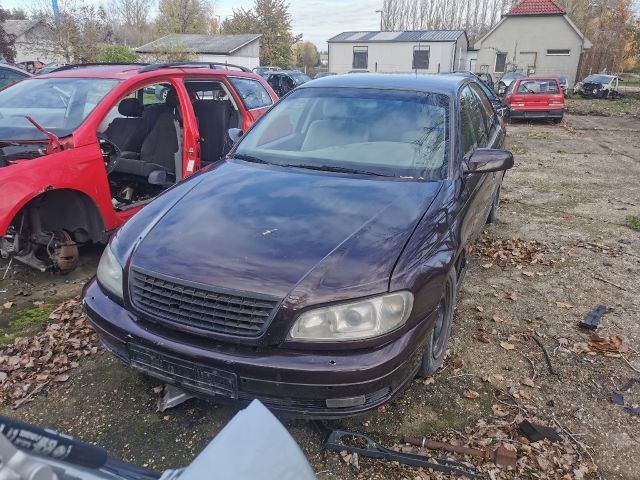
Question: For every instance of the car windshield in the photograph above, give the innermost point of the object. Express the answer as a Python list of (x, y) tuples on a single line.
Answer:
[(355, 130), (598, 79), (59, 105), (538, 86), (299, 78)]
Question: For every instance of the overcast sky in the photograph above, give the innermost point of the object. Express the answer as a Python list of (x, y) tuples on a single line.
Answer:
[(317, 20)]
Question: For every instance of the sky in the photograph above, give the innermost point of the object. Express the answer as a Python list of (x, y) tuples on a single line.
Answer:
[(316, 20)]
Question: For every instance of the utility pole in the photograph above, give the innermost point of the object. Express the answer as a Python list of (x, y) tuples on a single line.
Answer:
[(380, 12)]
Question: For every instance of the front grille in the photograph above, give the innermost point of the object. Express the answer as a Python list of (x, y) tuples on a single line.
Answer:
[(190, 375), (181, 304)]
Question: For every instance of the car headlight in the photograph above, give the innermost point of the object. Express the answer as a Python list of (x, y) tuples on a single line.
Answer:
[(361, 319), (110, 272)]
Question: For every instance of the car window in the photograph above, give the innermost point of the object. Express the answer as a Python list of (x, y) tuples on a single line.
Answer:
[(59, 105), (538, 87), (9, 76), (473, 126), (385, 132), (252, 93), (487, 108)]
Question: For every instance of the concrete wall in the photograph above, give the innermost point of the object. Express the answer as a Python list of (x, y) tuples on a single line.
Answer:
[(525, 40), (394, 56)]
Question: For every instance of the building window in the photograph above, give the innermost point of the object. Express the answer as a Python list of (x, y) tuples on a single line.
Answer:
[(420, 57), (501, 63), (360, 58), (559, 52)]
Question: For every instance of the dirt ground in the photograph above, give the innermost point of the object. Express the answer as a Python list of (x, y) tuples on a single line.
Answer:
[(571, 191)]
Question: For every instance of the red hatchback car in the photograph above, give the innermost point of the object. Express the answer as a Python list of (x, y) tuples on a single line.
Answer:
[(535, 98), (83, 149)]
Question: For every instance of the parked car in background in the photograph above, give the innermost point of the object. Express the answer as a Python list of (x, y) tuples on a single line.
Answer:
[(599, 86), (316, 267), (506, 80), (283, 81), (564, 84), (262, 71), (83, 149), (11, 74), (496, 101), (50, 68), (323, 74), (535, 98), (31, 66)]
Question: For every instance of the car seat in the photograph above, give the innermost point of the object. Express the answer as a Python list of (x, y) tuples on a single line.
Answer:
[(127, 132)]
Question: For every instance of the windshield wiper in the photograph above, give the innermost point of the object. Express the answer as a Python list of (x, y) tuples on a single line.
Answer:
[(54, 141), (331, 168), (249, 158)]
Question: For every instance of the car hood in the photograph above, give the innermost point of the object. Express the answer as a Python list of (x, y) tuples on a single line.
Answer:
[(268, 230)]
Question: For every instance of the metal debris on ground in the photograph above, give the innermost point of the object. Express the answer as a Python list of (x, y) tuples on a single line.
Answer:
[(29, 366), (535, 432), (170, 396), (592, 320), (501, 456), (617, 398)]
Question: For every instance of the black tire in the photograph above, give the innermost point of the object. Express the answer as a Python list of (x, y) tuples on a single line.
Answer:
[(493, 213), (557, 120), (438, 336)]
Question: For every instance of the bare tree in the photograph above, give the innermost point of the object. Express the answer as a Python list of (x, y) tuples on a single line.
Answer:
[(130, 21)]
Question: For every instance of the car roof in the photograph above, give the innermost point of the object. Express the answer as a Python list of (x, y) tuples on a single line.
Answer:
[(448, 84), (126, 71)]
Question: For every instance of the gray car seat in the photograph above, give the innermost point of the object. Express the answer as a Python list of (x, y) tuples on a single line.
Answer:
[(127, 132)]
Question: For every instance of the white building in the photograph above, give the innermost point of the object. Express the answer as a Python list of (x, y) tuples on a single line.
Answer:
[(536, 37), (425, 51), (243, 50)]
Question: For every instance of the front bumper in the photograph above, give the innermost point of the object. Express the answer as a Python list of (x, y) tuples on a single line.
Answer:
[(312, 384), (524, 114)]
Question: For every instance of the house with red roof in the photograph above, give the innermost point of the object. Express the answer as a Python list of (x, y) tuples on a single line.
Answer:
[(535, 37)]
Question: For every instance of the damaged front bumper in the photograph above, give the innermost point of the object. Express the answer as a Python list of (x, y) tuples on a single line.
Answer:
[(321, 384)]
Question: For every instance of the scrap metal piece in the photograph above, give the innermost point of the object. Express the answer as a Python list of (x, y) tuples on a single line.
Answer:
[(632, 410), (501, 456), (337, 440), (172, 396), (535, 432), (617, 398), (592, 320)]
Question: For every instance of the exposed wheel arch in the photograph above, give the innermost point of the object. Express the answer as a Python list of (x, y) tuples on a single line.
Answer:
[(67, 209)]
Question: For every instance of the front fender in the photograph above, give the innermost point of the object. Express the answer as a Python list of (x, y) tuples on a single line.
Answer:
[(80, 169)]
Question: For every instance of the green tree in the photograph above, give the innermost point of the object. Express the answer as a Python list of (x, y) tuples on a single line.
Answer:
[(307, 56), (184, 16), (114, 53), (272, 19)]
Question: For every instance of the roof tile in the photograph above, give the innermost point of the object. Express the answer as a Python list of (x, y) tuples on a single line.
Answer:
[(536, 7)]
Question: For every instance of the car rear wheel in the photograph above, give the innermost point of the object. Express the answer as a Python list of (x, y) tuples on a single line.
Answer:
[(439, 335)]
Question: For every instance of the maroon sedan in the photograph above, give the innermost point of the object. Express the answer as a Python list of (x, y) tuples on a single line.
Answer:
[(316, 267)]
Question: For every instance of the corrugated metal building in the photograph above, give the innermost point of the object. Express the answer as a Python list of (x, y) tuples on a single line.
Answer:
[(426, 51)]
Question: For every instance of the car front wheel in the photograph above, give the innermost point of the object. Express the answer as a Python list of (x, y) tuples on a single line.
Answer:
[(439, 335)]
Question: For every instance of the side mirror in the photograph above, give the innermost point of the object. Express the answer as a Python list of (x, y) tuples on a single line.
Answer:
[(160, 177), (234, 134), (485, 160)]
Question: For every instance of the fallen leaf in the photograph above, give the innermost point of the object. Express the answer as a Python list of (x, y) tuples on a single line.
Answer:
[(470, 394), (8, 305), (500, 411), (456, 362), (513, 296), (507, 346), (528, 382), (527, 274), (497, 319), (543, 463), (563, 305), (429, 381), (61, 378), (487, 265), (480, 309), (38, 303)]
